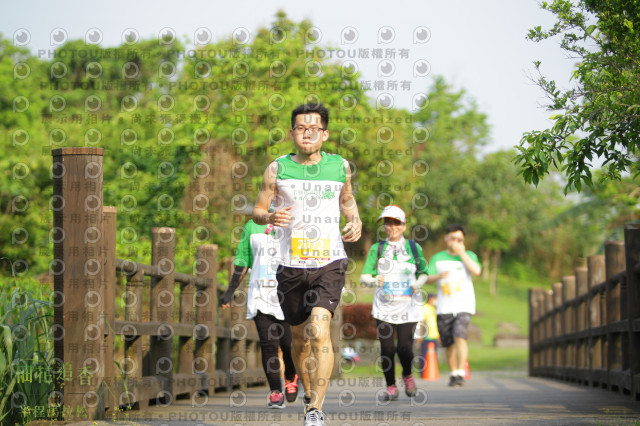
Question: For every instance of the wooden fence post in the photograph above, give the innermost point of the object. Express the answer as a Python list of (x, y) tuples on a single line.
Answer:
[(162, 307), (185, 343), (558, 330), (595, 319), (535, 329), (533, 307), (632, 260), (77, 221), (568, 298), (207, 306), (549, 331), (614, 263), (581, 322), (239, 332), (582, 288), (132, 365), (109, 305), (541, 359)]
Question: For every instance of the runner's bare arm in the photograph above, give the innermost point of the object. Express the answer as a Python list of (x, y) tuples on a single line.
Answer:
[(268, 192), (353, 229), (471, 265)]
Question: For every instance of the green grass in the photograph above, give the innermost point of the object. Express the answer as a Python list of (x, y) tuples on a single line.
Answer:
[(481, 358), (490, 358), (509, 304)]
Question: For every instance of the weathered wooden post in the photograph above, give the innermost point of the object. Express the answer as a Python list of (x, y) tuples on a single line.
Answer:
[(595, 319), (207, 308), (239, 331), (536, 331), (533, 307), (582, 288), (614, 263), (549, 331), (632, 260), (568, 300), (109, 303), (581, 322), (558, 330), (185, 343), (223, 347), (132, 364), (163, 249), (78, 274), (540, 334)]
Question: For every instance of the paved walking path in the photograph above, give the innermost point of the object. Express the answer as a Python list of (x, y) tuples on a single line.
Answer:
[(488, 398)]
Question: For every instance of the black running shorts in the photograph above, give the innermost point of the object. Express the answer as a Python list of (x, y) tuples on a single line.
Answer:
[(302, 289), (450, 326)]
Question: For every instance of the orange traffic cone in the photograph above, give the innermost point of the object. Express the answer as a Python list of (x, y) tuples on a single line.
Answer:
[(430, 371), (467, 371)]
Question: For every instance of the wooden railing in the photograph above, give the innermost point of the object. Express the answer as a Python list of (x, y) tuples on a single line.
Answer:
[(586, 329), (167, 309)]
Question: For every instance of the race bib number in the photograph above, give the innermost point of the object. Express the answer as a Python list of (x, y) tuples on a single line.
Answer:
[(309, 251), (397, 289)]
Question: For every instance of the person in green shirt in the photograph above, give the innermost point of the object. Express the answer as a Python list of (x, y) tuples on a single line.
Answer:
[(396, 267), (259, 250), (452, 269)]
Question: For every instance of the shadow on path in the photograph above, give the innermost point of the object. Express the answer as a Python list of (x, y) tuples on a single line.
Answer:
[(488, 398)]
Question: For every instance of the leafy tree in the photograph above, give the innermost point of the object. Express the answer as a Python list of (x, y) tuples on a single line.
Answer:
[(495, 214), (602, 109), (185, 126), (188, 132), (251, 88), (602, 211), (24, 171), (457, 129)]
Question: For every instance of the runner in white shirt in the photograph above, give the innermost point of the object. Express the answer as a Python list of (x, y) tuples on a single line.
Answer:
[(310, 189), (452, 269), (259, 250), (398, 269)]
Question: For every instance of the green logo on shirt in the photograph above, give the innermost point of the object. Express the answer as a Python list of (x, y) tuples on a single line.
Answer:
[(328, 195)]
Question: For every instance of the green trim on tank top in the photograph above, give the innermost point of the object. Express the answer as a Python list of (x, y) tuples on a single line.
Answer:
[(329, 168)]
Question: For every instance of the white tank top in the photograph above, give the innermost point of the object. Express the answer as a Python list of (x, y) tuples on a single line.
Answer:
[(313, 237)]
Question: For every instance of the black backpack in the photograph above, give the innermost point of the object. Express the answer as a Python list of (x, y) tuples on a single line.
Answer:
[(412, 245)]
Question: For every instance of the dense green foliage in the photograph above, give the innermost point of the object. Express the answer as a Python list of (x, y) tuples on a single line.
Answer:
[(598, 116), (188, 130)]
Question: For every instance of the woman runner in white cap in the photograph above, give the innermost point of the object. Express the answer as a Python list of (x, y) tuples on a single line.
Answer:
[(397, 268)]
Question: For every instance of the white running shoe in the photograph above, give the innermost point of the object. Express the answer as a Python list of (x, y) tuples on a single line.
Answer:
[(314, 418)]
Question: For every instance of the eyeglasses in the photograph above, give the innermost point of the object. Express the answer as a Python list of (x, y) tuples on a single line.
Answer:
[(312, 130), (392, 222)]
